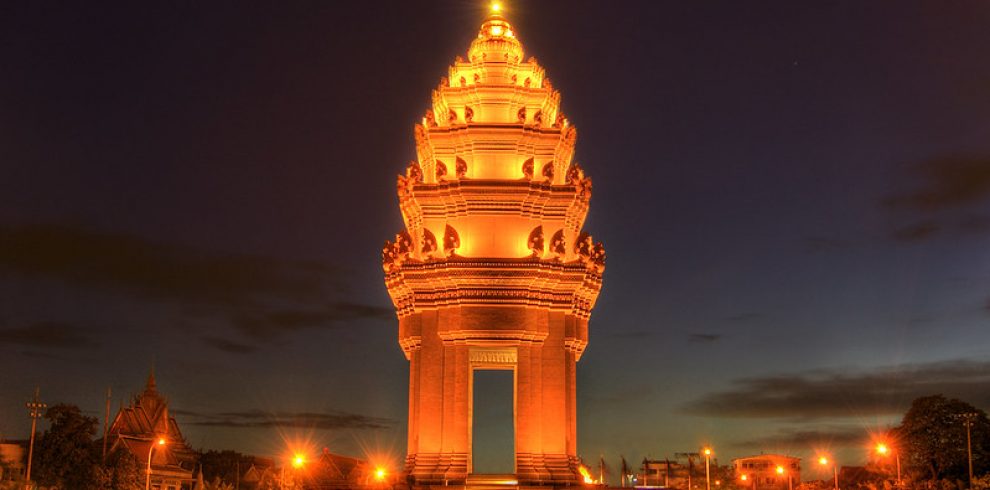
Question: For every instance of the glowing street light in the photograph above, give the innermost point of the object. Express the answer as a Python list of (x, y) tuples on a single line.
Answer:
[(380, 474), (883, 450), (744, 478), (835, 469), (160, 442), (708, 463), (298, 461)]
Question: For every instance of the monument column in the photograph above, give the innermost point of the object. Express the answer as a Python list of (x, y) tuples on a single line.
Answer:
[(493, 269)]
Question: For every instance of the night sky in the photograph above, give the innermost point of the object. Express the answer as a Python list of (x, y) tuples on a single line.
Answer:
[(794, 197)]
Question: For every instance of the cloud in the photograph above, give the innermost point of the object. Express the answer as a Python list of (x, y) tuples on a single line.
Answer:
[(947, 198), (160, 271), (838, 394), (636, 334), (261, 297), (744, 317), (916, 232), (824, 244), (253, 419), (947, 182), (230, 346), (47, 334), (832, 436), (267, 323), (705, 338)]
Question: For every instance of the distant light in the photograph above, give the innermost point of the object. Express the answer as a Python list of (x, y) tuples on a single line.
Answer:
[(744, 477), (298, 461), (380, 474), (161, 441), (708, 451), (496, 7), (780, 470), (823, 460), (882, 448)]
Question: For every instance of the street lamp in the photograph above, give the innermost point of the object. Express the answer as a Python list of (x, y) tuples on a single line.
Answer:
[(835, 469), (883, 450), (708, 462), (155, 442)]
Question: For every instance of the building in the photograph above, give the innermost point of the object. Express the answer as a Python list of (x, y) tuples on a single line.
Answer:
[(335, 472), (13, 459), (768, 472), (493, 270), (142, 427)]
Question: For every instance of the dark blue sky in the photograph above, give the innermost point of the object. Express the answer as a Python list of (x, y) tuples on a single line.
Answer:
[(795, 200)]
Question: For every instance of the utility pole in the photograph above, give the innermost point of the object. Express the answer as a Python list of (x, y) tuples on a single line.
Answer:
[(35, 408), (968, 421), (106, 427)]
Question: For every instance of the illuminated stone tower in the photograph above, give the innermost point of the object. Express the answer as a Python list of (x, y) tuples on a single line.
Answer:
[(493, 270)]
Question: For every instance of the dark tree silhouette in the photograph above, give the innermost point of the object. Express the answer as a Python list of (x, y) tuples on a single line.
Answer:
[(932, 437)]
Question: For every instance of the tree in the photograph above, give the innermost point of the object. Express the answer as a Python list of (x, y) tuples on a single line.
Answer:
[(122, 471), (226, 465), (933, 438), (65, 455)]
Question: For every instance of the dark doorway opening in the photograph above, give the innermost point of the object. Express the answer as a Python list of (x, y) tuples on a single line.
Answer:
[(493, 423)]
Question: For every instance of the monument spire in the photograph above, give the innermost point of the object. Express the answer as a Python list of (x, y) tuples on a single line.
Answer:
[(493, 269), (151, 386)]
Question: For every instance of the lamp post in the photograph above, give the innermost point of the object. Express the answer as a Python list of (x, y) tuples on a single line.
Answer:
[(883, 450), (34, 408), (708, 463), (155, 442), (835, 470)]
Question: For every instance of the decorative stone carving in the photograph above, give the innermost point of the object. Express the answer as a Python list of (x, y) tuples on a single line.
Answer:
[(527, 82), (441, 170), (521, 115), (598, 257), (527, 169), (592, 254), (461, 168), (584, 245), (394, 254), (548, 171), (431, 119), (403, 244), (559, 121), (558, 246), (388, 256), (535, 241), (492, 355), (451, 240), (477, 78), (414, 172), (429, 242), (468, 114), (463, 82), (575, 174), (452, 116), (538, 118)]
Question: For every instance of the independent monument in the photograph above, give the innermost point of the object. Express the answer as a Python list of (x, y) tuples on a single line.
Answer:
[(493, 270)]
